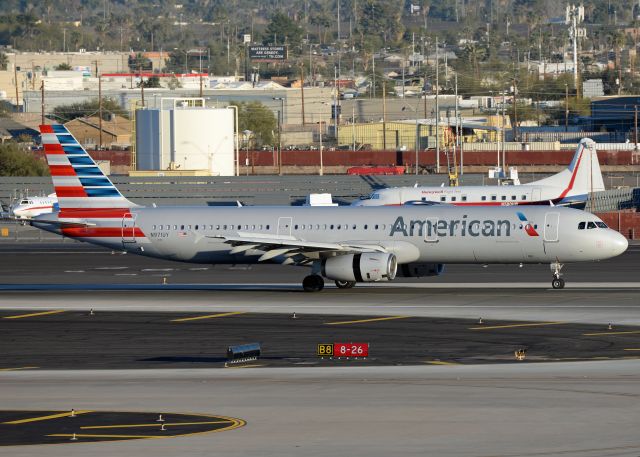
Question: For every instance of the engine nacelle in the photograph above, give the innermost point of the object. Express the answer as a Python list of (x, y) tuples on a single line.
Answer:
[(420, 270), (365, 267)]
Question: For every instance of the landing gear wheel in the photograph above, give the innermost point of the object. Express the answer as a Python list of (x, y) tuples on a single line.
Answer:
[(557, 283), (313, 283), (345, 284)]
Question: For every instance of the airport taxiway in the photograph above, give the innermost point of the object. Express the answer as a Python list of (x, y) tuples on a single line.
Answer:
[(132, 340), (586, 408)]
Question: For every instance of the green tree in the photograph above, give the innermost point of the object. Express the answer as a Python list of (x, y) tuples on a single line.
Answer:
[(62, 66), (14, 161), (282, 29), (381, 19), (259, 119), (152, 82), (89, 108)]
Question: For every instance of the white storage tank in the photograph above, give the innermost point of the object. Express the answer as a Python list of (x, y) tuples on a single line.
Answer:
[(185, 135)]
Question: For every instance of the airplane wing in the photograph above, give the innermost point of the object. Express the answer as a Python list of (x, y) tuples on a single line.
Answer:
[(292, 250)]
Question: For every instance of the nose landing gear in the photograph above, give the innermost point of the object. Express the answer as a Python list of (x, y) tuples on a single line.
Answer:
[(557, 282)]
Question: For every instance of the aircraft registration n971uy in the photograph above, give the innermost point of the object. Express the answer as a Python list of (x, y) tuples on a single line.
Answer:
[(343, 244)]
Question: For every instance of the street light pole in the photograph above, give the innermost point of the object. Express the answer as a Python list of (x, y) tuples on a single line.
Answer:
[(280, 116), (321, 164)]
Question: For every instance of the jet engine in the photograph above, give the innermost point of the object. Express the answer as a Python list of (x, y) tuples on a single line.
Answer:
[(365, 267), (420, 270)]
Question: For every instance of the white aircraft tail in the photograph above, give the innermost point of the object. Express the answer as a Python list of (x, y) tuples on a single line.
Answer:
[(582, 177), (78, 182)]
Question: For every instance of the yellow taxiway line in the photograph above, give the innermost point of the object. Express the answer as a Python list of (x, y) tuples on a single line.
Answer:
[(440, 362), (362, 321), (45, 418), (43, 313), (209, 316), (611, 333), (81, 435), (632, 349), (156, 424), (495, 327)]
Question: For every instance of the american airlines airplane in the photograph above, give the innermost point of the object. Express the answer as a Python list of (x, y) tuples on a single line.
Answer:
[(570, 187), (338, 243), (30, 207)]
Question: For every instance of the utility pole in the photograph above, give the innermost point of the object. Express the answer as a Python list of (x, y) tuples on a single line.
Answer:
[(459, 127), (635, 125), (142, 87), (100, 110), (200, 84), (384, 115), (15, 77), (279, 143), (302, 91), (42, 103), (566, 107), (437, 109), (515, 110)]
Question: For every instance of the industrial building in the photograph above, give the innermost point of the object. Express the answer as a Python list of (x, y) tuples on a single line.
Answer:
[(183, 134), (116, 131)]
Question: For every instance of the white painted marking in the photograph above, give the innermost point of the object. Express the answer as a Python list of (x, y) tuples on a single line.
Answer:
[(158, 269), (74, 271)]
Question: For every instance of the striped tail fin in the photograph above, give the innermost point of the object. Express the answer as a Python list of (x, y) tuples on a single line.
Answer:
[(78, 182)]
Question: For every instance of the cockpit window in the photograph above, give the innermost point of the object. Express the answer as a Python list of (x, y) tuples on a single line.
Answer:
[(591, 225), (375, 196), (601, 224), (25, 202), (581, 225)]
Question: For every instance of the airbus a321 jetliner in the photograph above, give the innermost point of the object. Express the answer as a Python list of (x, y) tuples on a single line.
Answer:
[(343, 244), (570, 187)]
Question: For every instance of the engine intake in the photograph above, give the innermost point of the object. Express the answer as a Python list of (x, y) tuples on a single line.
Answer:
[(420, 270), (365, 267)]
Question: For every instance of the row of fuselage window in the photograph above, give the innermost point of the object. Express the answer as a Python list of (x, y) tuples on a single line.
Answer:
[(463, 198), (266, 227)]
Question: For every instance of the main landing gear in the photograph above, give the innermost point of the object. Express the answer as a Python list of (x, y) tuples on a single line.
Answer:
[(345, 284), (557, 282), (313, 283)]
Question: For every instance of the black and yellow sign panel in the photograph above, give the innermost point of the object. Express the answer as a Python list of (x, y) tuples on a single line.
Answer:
[(325, 350)]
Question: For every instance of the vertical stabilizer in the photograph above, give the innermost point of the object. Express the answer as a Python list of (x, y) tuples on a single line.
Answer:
[(583, 175), (78, 182)]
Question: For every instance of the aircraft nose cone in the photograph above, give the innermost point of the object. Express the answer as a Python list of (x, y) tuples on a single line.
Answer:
[(619, 243)]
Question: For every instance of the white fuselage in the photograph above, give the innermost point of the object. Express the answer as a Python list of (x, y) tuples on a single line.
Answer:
[(30, 207), (441, 234)]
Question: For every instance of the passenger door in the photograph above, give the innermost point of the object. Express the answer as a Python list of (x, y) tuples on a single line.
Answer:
[(551, 226), (129, 229), (284, 225), (535, 197)]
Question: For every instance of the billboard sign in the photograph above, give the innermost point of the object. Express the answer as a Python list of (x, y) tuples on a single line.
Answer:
[(258, 53)]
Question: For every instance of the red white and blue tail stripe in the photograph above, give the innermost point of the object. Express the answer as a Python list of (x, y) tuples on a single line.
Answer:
[(77, 180), (90, 206)]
